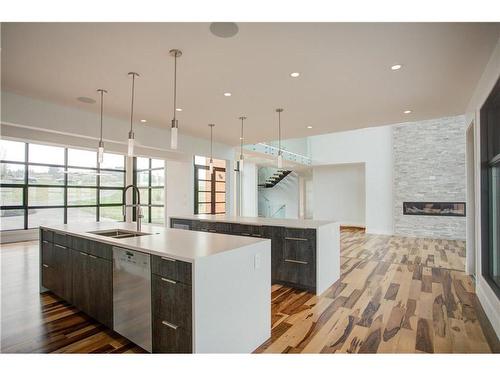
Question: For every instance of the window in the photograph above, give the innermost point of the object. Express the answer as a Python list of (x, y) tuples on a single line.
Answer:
[(43, 184), (209, 189), (149, 177)]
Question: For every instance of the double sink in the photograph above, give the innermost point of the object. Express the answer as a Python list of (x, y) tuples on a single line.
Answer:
[(119, 233)]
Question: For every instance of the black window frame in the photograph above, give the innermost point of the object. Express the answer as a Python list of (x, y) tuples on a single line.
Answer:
[(213, 192), (65, 186), (150, 189)]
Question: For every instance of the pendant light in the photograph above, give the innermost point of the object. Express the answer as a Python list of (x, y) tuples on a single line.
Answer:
[(131, 136), (100, 149), (280, 156), (175, 53), (242, 118), (211, 164)]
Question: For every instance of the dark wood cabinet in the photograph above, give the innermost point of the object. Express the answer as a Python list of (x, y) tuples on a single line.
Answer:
[(81, 286), (56, 267), (293, 250), (62, 263), (171, 269), (172, 314), (92, 278), (168, 339), (275, 234), (180, 224), (100, 290)]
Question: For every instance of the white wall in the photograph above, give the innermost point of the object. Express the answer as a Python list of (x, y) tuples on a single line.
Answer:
[(488, 299), (249, 180), (373, 147), (284, 193), (179, 196), (339, 193)]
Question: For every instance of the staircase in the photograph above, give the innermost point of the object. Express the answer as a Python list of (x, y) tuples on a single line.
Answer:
[(275, 178)]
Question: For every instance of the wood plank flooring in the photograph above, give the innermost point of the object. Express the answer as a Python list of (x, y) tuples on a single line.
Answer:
[(395, 295)]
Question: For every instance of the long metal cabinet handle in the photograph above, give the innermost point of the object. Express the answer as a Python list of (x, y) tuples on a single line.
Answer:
[(169, 259), (45, 265), (61, 246), (84, 254), (296, 238), (245, 234), (170, 325), (169, 281), (295, 261), (92, 256)]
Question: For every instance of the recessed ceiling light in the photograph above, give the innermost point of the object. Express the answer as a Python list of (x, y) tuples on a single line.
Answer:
[(407, 112), (294, 74), (178, 109), (86, 100), (227, 94), (144, 121), (309, 127), (396, 67)]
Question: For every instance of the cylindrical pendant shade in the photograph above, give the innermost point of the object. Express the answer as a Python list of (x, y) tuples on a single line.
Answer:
[(131, 147), (100, 154), (173, 138), (280, 161)]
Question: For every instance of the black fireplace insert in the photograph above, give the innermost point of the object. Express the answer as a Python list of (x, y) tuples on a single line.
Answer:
[(434, 208)]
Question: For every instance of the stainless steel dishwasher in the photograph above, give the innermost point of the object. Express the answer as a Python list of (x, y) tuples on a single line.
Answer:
[(132, 296)]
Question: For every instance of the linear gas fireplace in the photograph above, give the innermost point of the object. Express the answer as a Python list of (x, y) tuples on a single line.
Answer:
[(434, 208)]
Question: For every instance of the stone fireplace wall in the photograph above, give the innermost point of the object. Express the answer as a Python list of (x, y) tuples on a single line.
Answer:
[(429, 166)]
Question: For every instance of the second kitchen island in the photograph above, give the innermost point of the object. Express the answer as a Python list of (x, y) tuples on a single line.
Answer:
[(166, 290), (305, 254)]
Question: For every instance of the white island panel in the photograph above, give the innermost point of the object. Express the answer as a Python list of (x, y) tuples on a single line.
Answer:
[(327, 256), (231, 301)]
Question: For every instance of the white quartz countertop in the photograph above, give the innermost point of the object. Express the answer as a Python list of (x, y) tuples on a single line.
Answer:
[(291, 223), (179, 244)]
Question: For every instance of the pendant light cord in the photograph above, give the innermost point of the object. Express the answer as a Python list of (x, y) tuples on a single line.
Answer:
[(102, 100), (132, 102), (241, 140), (175, 84), (279, 133), (211, 141)]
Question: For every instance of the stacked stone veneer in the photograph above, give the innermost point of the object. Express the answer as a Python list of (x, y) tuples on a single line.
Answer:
[(429, 166)]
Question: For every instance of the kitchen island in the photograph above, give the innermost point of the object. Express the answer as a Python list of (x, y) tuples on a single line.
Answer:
[(167, 290), (305, 254)]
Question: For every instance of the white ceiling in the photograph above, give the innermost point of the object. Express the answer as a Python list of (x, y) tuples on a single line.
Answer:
[(345, 83)]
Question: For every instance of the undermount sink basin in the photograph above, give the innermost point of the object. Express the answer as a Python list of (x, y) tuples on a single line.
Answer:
[(119, 233)]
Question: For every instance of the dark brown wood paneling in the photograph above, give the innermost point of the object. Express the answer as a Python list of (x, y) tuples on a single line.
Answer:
[(172, 301), (47, 253), (61, 239), (63, 266), (81, 286), (100, 279), (171, 269), (170, 340), (47, 235)]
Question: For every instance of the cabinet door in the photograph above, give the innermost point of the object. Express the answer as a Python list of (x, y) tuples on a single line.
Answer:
[(81, 293), (63, 266), (275, 234), (100, 279), (172, 316), (48, 266), (299, 257), (170, 339)]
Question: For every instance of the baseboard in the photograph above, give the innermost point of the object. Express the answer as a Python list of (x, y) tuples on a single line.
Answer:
[(10, 236), (490, 303)]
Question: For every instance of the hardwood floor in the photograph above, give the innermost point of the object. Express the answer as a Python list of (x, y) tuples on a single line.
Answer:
[(395, 295)]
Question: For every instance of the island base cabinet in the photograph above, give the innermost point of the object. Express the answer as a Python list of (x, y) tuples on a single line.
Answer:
[(172, 313), (62, 260), (93, 286), (56, 269), (101, 290), (167, 339), (81, 270)]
